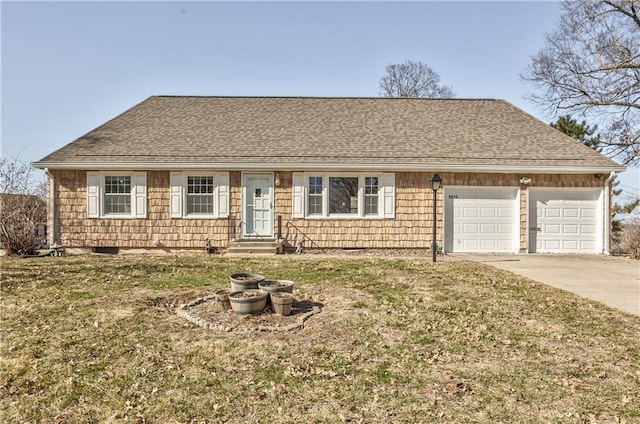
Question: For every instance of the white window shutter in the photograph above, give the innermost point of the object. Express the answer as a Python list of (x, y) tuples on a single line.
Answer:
[(175, 181), (93, 195), (140, 194), (298, 195), (389, 195), (223, 195)]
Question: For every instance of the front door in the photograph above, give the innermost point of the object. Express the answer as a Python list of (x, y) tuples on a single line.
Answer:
[(258, 205)]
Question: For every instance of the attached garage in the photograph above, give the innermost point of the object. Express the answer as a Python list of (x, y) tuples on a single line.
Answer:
[(481, 219), (565, 220)]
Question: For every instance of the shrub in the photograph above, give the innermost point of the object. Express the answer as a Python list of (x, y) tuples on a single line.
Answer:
[(630, 240), (22, 208)]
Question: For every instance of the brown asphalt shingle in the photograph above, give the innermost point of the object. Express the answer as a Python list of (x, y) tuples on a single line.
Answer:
[(299, 130)]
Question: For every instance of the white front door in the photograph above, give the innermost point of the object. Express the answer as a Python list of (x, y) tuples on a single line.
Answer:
[(258, 205)]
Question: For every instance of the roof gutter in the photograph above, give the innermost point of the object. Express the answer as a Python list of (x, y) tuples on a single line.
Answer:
[(607, 214), (51, 224), (284, 166)]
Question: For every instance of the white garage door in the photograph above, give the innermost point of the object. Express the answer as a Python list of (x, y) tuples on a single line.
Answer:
[(565, 221), (481, 220)]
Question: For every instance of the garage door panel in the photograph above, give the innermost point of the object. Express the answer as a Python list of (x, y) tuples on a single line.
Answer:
[(588, 229), (551, 244), (587, 245), (505, 212), (505, 228), (551, 229), (470, 228), (551, 212), (480, 220), (488, 212), (570, 213), (488, 228), (488, 245), (564, 221), (470, 245), (470, 212), (504, 245)]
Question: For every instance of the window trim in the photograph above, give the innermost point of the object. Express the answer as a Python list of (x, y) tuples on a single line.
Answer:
[(178, 182), (96, 192), (319, 195), (372, 196), (326, 190), (186, 194), (386, 188), (105, 195)]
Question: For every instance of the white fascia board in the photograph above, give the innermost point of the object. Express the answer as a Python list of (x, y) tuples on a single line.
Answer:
[(284, 166)]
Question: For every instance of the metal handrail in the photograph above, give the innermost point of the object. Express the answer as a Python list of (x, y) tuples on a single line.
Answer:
[(229, 225), (304, 235)]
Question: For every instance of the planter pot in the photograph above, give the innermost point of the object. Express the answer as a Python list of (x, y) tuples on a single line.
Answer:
[(273, 286), (244, 281), (250, 301), (221, 299), (281, 302)]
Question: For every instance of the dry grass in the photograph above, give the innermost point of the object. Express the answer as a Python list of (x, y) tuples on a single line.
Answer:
[(401, 340)]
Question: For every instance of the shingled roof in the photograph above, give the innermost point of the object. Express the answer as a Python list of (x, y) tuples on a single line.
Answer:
[(301, 133)]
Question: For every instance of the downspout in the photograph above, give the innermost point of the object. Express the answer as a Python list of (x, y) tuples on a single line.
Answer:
[(52, 197), (607, 213)]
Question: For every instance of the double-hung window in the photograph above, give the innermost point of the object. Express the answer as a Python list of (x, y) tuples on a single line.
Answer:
[(116, 194), (371, 195), (199, 194), (343, 195), (315, 196)]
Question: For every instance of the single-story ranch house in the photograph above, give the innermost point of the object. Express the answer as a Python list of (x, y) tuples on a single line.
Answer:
[(174, 171)]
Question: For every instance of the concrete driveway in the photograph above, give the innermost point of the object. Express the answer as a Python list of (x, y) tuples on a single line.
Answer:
[(613, 281)]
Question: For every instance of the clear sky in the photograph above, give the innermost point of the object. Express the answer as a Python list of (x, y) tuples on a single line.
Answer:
[(68, 67)]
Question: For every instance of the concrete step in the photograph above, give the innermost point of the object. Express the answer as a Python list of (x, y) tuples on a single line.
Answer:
[(250, 244), (254, 248), (249, 255)]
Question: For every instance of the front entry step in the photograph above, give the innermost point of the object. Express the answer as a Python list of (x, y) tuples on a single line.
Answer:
[(251, 247)]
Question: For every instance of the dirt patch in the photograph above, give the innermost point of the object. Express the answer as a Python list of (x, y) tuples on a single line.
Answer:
[(206, 312)]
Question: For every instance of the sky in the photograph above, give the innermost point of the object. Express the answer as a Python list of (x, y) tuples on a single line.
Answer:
[(68, 67)]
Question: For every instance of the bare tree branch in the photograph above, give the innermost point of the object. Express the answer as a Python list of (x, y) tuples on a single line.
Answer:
[(591, 64), (413, 79), (22, 208)]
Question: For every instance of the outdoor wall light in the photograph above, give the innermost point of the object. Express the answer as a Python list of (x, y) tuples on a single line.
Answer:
[(277, 179), (525, 181), (435, 183)]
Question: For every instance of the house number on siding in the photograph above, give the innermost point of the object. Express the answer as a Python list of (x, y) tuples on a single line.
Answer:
[(453, 196)]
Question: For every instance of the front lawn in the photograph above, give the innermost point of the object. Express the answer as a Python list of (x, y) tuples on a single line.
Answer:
[(97, 339)]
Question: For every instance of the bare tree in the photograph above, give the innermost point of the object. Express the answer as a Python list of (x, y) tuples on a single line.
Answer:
[(413, 79), (591, 64), (22, 208)]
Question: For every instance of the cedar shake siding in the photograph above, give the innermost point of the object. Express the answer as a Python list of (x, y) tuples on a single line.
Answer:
[(411, 227), (77, 230)]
